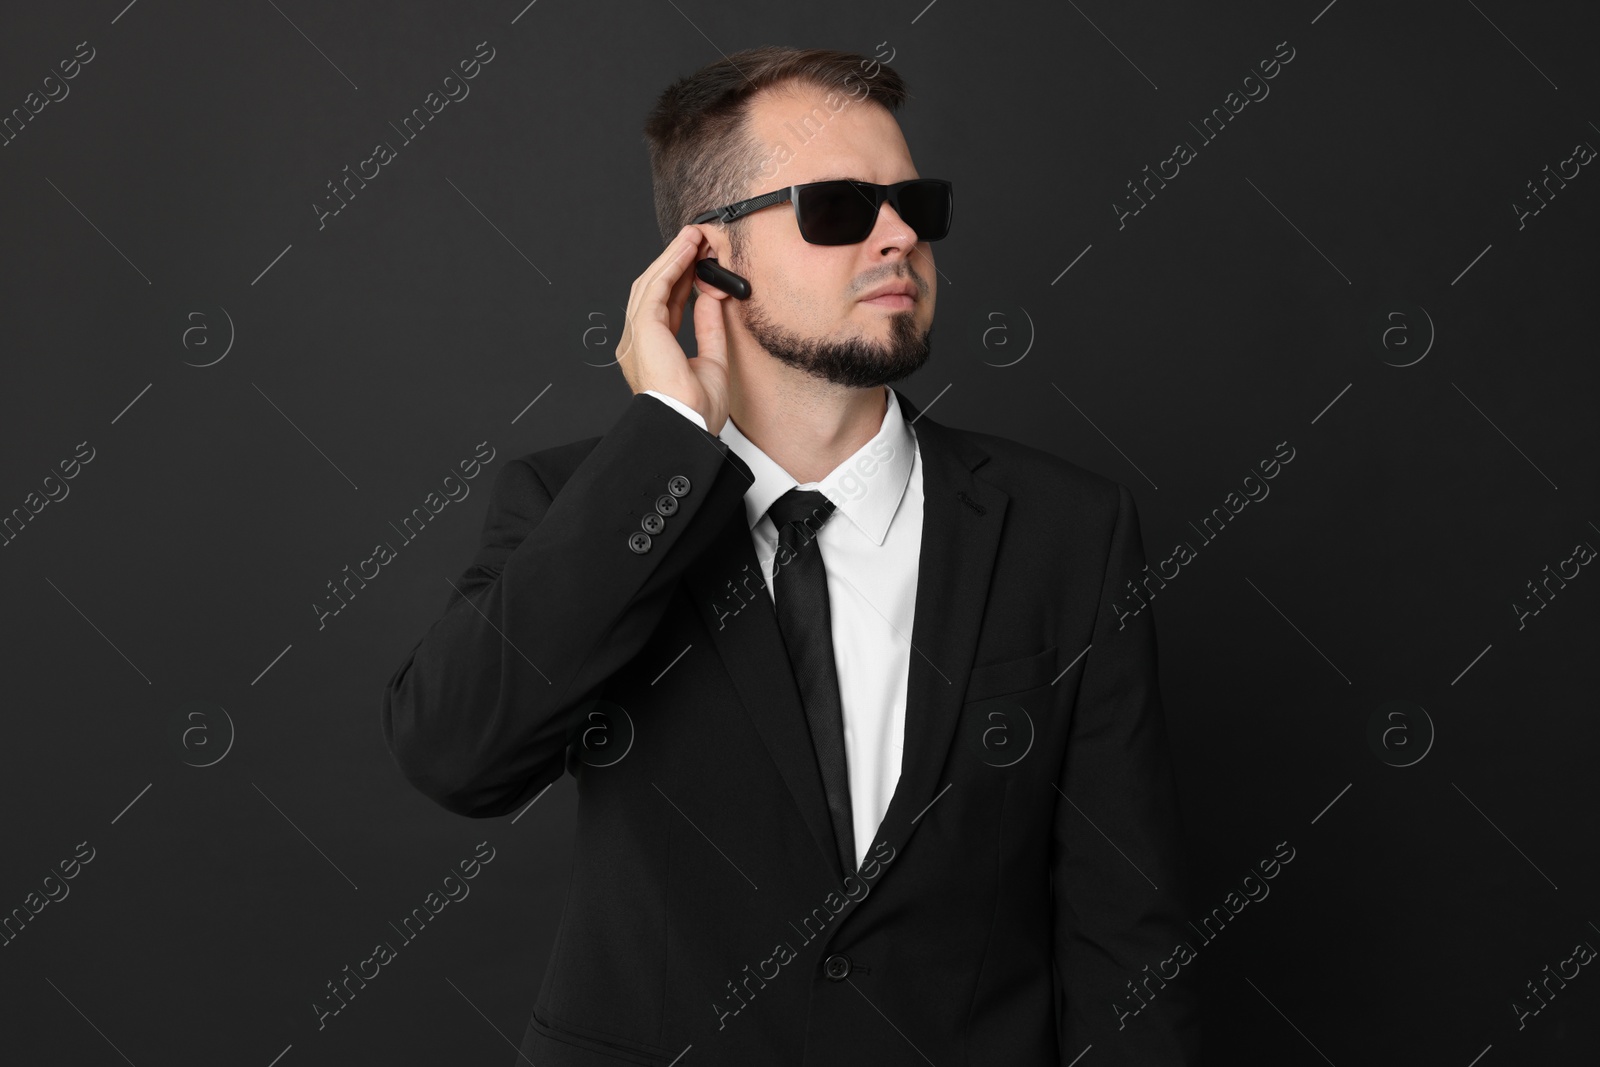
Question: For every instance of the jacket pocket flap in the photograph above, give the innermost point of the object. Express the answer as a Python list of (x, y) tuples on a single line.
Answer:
[(1012, 675)]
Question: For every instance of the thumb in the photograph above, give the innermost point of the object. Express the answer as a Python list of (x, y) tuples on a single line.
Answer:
[(710, 330)]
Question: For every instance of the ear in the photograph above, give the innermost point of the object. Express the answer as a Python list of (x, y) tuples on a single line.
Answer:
[(714, 244)]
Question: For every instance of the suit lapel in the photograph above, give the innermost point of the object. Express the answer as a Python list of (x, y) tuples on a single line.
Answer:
[(958, 552), (728, 591), (957, 556)]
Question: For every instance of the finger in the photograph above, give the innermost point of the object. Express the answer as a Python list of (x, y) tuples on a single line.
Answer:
[(649, 290), (653, 301), (678, 295), (668, 267), (710, 331)]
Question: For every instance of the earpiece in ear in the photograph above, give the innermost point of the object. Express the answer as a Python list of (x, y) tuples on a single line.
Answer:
[(711, 272)]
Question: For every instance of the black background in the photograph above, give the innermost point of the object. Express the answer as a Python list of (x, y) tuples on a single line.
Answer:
[(164, 209)]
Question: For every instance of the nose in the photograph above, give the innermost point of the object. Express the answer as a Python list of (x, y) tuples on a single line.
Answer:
[(891, 232)]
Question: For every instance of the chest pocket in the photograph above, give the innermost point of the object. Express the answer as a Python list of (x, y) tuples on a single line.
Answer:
[(1012, 675)]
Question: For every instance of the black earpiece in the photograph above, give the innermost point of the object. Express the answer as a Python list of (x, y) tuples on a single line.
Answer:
[(711, 272)]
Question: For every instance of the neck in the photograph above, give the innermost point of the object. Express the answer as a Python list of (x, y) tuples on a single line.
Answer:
[(807, 426)]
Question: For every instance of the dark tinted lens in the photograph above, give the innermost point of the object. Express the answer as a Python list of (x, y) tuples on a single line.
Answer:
[(926, 206), (835, 213)]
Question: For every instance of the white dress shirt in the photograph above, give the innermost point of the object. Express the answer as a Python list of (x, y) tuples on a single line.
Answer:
[(871, 547)]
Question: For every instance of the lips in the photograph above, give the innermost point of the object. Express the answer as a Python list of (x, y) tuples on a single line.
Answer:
[(896, 289)]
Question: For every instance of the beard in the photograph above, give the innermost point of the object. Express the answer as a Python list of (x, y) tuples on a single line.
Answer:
[(856, 362)]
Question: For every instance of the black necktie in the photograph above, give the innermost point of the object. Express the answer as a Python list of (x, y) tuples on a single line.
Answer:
[(800, 591)]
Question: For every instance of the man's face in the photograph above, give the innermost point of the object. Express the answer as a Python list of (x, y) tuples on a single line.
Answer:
[(806, 307)]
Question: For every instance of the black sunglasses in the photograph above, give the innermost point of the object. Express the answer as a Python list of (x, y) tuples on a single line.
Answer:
[(843, 212)]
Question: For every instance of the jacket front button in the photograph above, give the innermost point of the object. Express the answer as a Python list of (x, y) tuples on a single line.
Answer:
[(678, 486), (639, 542), (836, 967)]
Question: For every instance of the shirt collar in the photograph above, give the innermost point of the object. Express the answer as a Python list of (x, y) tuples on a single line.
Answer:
[(866, 488)]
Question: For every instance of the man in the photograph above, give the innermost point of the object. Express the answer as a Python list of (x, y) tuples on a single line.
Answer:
[(862, 709)]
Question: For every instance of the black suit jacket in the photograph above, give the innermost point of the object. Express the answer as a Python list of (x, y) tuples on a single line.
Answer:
[(1010, 895)]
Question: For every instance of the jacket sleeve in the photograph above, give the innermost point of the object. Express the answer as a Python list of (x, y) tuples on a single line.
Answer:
[(1117, 870), (479, 715), (679, 406)]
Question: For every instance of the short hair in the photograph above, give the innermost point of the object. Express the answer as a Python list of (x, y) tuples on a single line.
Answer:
[(702, 151)]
